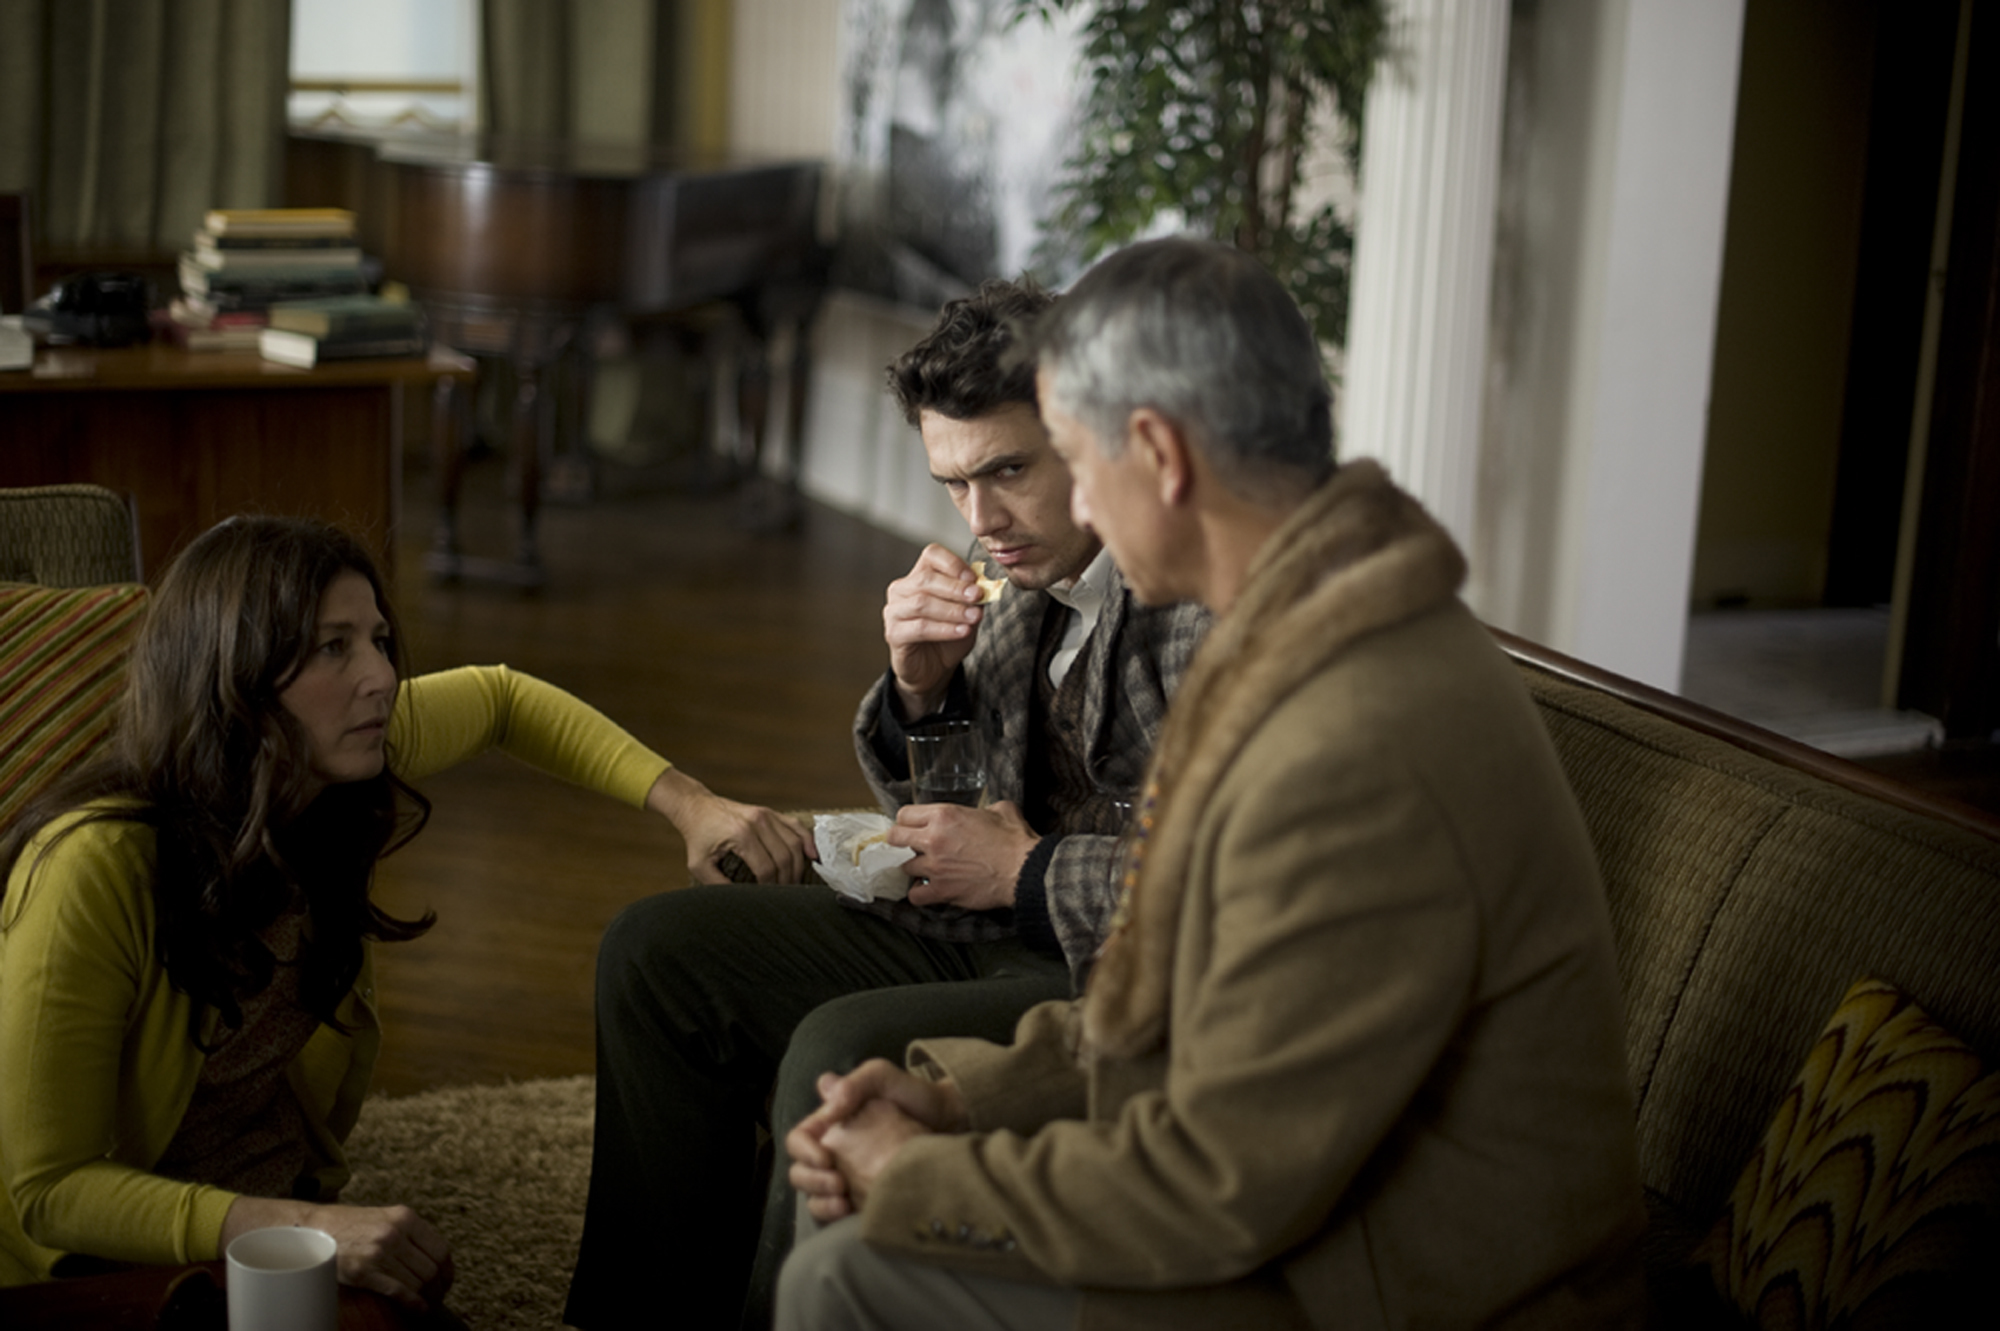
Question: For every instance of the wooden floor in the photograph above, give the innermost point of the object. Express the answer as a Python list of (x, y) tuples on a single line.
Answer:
[(739, 656)]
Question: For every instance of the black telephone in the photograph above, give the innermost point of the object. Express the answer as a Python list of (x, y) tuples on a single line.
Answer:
[(96, 309)]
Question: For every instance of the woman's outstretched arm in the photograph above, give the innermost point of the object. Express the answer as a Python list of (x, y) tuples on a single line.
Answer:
[(446, 718)]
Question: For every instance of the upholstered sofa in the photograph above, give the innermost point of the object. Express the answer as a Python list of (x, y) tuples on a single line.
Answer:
[(1751, 881)]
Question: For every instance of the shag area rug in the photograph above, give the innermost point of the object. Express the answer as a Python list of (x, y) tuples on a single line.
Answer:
[(501, 1171)]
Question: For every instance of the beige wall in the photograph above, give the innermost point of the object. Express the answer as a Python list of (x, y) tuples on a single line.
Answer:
[(784, 77), (1787, 296)]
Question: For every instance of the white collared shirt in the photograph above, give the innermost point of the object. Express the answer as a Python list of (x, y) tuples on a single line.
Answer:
[(1085, 595)]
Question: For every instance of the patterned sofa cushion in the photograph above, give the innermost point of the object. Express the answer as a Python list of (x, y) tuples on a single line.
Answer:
[(62, 662), (1874, 1197)]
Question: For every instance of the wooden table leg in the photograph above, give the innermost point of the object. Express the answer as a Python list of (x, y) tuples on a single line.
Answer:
[(448, 426), (531, 442)]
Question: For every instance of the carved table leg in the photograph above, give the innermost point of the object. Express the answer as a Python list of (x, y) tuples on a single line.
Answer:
[(530, 445), (448, 423)]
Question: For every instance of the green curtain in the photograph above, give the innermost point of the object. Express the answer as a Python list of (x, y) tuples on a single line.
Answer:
[(582, 69), (127, 119), (524, 68)]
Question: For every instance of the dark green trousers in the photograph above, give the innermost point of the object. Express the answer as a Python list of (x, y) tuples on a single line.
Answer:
[(711, 1003)]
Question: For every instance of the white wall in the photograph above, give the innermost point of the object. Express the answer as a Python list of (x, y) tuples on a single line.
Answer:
[(861, 456), (1640, 416), (1620, 128), (387, 40), (784, 82), (379, 39)]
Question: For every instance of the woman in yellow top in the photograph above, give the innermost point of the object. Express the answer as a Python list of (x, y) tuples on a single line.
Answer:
[(187, 1022)]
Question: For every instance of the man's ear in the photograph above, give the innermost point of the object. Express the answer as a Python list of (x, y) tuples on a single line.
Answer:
[(1163, 450)]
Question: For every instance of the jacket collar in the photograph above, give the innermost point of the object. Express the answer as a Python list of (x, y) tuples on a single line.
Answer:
[(1358, 556)]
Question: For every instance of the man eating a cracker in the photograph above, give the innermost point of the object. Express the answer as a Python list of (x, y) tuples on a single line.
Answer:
[(719, 1007)]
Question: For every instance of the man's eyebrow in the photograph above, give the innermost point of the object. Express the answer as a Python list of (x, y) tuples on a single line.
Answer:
[(987, 468)]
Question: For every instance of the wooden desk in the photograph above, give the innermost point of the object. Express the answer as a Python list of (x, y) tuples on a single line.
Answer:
[(198, 436)]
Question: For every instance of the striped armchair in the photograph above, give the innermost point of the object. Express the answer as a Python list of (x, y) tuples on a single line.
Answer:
[(62, 664)]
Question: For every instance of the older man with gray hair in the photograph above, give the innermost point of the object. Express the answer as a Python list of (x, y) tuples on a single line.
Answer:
[(1352, 1054)]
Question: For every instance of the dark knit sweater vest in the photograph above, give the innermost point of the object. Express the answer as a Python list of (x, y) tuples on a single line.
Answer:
[(1062, 799)]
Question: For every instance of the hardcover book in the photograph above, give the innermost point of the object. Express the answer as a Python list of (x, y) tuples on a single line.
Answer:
[(239, 290), (306, 351), (227, 337), (264, 260), (279, 222), (341, 316), (234, 244)]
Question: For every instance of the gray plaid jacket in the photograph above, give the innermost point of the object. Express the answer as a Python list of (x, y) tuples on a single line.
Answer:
[(1132, 664)]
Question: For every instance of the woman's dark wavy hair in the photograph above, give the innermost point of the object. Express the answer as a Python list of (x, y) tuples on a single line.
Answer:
[(212, 761), (963, 367)]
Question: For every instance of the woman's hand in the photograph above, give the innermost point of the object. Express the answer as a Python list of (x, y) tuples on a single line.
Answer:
[(389, 1249), (773, 847)]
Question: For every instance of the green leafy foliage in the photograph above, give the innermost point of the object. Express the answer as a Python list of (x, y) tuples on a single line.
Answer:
[(1200, 111)]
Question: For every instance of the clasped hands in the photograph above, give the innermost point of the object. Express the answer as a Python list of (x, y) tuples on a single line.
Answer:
[(840, 1149)]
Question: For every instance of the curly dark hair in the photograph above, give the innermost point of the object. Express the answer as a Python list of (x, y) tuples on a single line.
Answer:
[(204, 753), (962, 368)]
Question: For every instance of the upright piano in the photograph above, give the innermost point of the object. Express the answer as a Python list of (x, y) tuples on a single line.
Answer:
[(511, 244)]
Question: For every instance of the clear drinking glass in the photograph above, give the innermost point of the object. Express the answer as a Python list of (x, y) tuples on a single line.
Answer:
[(948, 764), (1118, 820)]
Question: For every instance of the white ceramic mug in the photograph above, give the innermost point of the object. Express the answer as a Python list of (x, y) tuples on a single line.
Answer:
[(283, 1279)]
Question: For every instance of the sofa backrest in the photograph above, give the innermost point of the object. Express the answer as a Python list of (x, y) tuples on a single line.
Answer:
[(1746, 895), (68, 536)]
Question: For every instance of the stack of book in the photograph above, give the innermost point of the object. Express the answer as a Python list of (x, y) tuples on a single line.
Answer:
[(201, 329), (248, 259), (307, 332)]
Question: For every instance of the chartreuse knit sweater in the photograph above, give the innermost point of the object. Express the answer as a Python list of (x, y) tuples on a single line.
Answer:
[(97, 1066)]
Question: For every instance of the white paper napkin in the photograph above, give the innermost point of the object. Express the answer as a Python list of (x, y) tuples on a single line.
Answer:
[(856, 862)]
